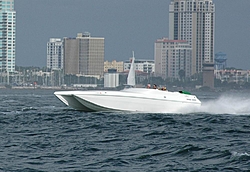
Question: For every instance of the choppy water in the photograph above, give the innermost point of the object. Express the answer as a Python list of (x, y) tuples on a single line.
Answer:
[(38, 133)]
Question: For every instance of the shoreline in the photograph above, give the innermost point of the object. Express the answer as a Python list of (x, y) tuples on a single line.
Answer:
[(35, 88), (85, 88)]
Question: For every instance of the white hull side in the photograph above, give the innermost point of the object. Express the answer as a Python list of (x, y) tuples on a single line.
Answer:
[(136, 104)]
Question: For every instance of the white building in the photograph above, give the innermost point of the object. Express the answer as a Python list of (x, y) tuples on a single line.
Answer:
[(7, 35), (194, 21), (172, 57), (55, 54), (147, 66), (111, 80)]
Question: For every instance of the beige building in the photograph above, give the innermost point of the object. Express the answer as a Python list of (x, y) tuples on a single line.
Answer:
[(194, 21), (84, 55), (113, 65), (171, 57)]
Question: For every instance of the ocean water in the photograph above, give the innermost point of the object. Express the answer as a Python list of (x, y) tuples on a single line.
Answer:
[(39, 133)]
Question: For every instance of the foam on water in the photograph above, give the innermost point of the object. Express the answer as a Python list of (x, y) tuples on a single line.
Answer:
[(237, 154), (226, 104), (240, 156)]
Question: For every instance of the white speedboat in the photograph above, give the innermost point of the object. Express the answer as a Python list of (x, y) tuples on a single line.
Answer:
[(130, 99)]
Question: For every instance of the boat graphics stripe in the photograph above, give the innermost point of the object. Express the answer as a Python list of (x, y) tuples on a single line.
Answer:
[(135, 97)]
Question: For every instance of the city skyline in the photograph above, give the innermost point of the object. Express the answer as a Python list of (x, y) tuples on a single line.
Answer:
[(125, 25)]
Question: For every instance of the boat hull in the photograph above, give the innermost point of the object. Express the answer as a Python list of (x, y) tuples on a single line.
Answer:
[(132, 100)]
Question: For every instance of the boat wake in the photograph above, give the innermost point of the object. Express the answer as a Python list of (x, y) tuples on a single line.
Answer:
[(226, 104)]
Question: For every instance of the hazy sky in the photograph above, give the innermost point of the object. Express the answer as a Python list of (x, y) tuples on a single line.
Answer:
[(126, 25)]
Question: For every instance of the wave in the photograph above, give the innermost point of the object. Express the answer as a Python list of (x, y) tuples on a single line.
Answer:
[(236, 156)]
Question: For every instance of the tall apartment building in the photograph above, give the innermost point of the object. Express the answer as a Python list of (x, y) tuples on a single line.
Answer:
[(194, 21), (7, 35), (113, 65), (84, 55), (55, 54), (172, 56)]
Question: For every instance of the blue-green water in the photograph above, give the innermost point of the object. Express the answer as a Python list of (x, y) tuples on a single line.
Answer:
[(38, 133)]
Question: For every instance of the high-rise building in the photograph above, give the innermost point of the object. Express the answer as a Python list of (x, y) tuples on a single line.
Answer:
[(172, 58), (84, 55), (55, 54), (194, 21), (7, 35)]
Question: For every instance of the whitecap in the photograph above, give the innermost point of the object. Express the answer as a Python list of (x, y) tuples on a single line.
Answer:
[(236, 154)]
